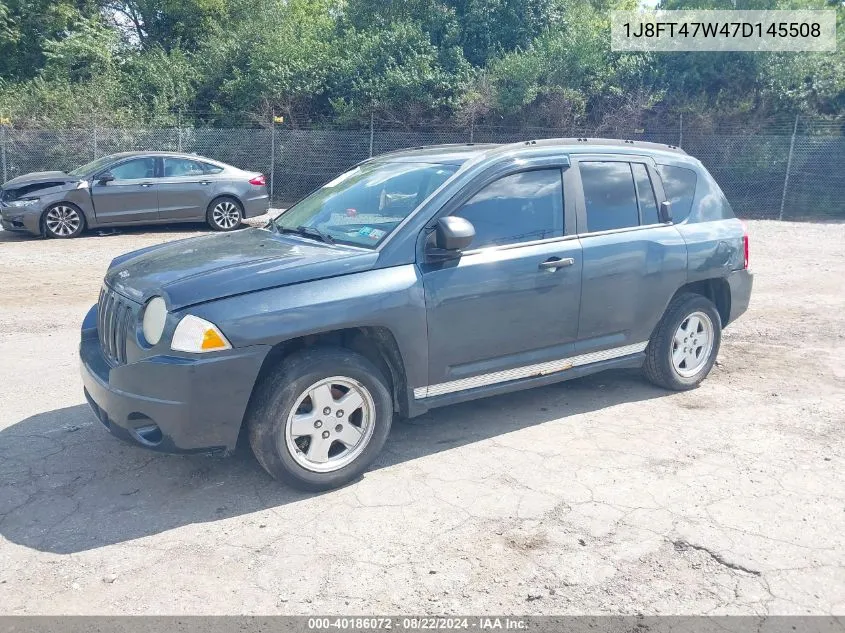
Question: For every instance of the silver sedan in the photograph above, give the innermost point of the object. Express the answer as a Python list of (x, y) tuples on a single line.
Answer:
[(129, 189)]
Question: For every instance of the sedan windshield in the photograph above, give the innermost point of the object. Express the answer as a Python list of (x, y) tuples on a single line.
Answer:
[(93, 166), (364, 205)]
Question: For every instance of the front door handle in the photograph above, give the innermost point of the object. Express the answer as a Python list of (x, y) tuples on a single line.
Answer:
[(205, 182), (146, 184), (556, 262)]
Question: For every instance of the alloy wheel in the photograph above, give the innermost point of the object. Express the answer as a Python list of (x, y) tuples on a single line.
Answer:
[(692, 344), (330, 424), (63, 220), (226, 215)]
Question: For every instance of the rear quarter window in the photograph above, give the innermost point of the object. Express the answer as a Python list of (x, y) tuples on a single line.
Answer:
[(211, 169), (679, 185)]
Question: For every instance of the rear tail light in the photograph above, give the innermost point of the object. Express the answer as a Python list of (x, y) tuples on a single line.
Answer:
[(258, 180), (745, 245)]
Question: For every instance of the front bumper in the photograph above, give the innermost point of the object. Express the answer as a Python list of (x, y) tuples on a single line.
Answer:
[(24, 219), (172, 404), (740, 282)]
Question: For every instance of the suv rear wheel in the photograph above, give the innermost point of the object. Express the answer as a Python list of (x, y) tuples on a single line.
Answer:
[(684, 346), (320, 418)]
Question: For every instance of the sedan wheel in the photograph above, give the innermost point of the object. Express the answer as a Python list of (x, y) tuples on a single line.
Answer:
[(225, 215), (63, 221)]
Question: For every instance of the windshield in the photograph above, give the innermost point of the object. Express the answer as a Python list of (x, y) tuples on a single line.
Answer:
[(93, 166), (364, 205)]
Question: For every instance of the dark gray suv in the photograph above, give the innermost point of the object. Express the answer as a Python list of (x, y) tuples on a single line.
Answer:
[(129, 189), (415, 280)]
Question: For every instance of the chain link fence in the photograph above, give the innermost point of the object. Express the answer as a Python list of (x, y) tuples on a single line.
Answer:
[(788, 174)]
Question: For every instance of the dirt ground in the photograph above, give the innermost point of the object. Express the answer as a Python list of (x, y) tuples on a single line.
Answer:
[(601, 495)]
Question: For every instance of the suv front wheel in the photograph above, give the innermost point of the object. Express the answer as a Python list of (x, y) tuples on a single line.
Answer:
[(684, 346), (320, 418)]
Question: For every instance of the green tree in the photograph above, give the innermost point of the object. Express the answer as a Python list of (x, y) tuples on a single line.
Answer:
[(398, 73), (161, 83), (25, 27), (566, 75), (88, 50), (279, 57), (491, 27), (170, 24)]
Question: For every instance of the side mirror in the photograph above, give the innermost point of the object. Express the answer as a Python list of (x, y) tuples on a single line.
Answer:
[(452, 234), (665, 211), (105, 177)]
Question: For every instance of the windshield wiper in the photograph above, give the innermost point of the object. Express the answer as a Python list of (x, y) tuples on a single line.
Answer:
[(310, 232)]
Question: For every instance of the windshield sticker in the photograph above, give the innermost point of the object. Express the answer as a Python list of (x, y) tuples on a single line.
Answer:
[(373, 234)]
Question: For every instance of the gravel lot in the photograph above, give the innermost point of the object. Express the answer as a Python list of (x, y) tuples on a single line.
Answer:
[(601, 495)]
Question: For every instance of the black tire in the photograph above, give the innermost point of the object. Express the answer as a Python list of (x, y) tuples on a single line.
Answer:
[(225, 214), (279, 391), (659, 367), (63, 221)]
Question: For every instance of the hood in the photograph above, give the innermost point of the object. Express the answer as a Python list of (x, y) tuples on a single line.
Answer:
[(38, 177), (195, 270)]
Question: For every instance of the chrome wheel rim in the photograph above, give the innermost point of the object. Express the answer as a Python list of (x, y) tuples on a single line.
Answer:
[(692, 344), (63, 220), (330, 424), (226, 215)]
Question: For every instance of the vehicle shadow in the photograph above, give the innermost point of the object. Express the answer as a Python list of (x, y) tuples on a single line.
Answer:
[(69, 486), (16, 236), (177, 230)]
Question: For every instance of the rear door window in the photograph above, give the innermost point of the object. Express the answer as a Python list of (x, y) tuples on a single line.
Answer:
[(609, 195), (679, 185), (176, 167)]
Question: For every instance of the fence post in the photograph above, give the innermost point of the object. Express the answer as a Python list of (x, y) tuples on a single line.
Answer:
[(371, 133), (179, 130), (3, 148), (681, 131), (272, 154), (788, 168), (94, 124), (472, 127)]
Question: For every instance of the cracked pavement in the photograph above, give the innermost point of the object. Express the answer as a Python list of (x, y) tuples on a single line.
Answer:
[(603, 495)]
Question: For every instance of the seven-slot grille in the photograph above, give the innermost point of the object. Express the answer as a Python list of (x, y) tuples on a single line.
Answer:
[(116, 318)]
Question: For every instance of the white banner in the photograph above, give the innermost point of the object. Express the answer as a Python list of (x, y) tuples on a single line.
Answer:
[(673, 31)]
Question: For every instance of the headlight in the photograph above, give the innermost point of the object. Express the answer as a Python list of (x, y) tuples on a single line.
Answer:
[(22, 202), (155, 314), (197, 335)]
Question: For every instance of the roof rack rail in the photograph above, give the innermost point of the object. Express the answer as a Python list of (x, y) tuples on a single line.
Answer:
[(598, 142)]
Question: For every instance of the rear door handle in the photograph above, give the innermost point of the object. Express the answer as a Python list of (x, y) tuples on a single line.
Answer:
[(205, 182), (556, 262)]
